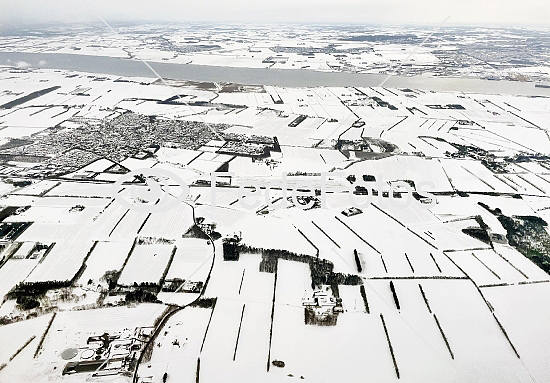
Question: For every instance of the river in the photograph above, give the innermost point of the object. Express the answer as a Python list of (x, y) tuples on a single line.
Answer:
[(254, 76)]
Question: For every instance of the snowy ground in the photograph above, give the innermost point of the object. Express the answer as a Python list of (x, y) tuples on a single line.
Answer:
[(468, 308)]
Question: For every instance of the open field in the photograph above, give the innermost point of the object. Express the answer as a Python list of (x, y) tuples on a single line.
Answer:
[(106, 256), (191, 260), (147, 264), (62, 263)]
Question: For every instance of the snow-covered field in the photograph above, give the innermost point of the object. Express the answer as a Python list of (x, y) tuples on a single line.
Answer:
[(62, 263), (106, 256), (147, 264), (192, 260)]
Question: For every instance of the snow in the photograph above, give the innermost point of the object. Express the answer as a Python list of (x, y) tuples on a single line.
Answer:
[(62, 262), (106, 256), (191, 261), (16, 335), (13, 272), (523, 310), (169, 224), (409, 246), (146, 264), (187, 328)]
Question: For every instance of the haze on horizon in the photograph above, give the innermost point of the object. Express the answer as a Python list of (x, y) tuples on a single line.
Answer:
[(16, 13)]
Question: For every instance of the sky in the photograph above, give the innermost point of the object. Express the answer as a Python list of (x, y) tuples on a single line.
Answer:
[(14, 13)]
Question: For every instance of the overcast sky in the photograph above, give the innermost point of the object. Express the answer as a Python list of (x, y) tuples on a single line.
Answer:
[(480, 12)]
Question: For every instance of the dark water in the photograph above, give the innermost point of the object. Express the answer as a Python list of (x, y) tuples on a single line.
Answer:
[(278, 77)]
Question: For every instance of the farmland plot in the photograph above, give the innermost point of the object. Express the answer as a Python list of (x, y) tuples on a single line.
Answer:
[(393, 241), (98, 166), (134, 163), (514, 305), (180, 346), (108, 219), (489, 141), (38, 188), (106, 256), (60, 211), (469, 175), (419, 349), (187, 174), (240, 281), (529, 183), (273, 233), (81, 189), (228, 220), (535, 203), (54, 215), (129, 225), (486, 267), (336, 242), (499, 266), (481, 349), (62, 262), (449, 208), (286, 135), (247, 287), (425, 345), (520, 262), (13, 272), (16, 335), (170, 224), (177, 156), (147, 264), (534, 140), (352, 302), (412, 143), (317, 364), (226, 277), (222, 334), (412, 215), (50, 232), (244, 166), (192, 260), (306, 160), (380, 121), (223, 197), (205, 166), (28, 120), (404, 168), (371, 359), (532, 167), (253, 344), (449, 235)]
